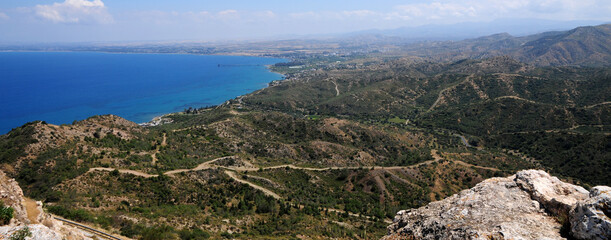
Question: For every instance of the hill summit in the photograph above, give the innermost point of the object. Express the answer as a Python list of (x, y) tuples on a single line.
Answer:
[(528, 205)]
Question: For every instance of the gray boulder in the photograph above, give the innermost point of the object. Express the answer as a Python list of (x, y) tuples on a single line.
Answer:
[(591, 219)]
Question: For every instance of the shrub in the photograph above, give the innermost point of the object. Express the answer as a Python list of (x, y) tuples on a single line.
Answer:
[(157, 233), (79, 215), (21, 234), (6, 214), (195, 234)]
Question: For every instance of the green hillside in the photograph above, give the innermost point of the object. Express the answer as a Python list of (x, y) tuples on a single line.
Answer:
[(338, 147)]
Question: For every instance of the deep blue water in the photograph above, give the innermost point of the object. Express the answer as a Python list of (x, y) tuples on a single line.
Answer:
[(60, 87)]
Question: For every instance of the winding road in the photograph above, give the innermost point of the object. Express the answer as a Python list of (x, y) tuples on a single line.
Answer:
[(517, 98), (446, 89), (209, 165), (268, 192), (231, 172), (463, 140), (336, 88), (598, 104)]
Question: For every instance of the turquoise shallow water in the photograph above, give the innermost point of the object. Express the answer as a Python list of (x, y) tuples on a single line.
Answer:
[(60, 87)]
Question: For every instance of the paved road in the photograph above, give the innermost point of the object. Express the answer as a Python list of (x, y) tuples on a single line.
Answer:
[(89, 229)]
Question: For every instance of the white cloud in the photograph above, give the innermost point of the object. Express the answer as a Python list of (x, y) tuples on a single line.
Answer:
[(265, 14), (200, 16), (231, 23), (359, 13), (3, 16), (228, 15), (434, 10), (302, 15), (159, 17), (228, 12), (75, 11), (449, 11)]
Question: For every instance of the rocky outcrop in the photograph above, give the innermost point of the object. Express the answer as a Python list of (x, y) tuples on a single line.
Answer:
[(555, 196), (591, 219), (529, 205), (12, 196), (30, 213)]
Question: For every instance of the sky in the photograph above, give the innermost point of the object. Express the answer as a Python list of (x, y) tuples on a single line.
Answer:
[(30, 21)]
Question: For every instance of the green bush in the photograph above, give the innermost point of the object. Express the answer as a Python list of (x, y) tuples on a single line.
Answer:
[(6, 214), (194, 234), (79, 215), (157, 233), (21, 234)]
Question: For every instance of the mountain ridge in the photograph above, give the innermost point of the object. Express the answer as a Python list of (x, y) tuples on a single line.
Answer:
[(582, 46)]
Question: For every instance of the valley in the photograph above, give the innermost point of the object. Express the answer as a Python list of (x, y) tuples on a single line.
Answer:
[(335, 149)]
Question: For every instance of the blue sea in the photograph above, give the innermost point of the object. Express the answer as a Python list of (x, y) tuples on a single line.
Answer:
[(60, 87)]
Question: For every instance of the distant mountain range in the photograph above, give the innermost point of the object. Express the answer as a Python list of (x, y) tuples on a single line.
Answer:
[(581, 46), (585, 46), (461, 31)]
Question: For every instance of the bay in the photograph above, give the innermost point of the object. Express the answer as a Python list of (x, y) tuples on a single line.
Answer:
[(60, 87)]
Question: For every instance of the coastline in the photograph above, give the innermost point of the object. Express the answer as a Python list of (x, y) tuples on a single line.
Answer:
[(162, 119), (258, 83), (237, 54), (240, 54)]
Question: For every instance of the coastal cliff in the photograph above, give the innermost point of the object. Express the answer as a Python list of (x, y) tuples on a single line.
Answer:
[(528, 205)]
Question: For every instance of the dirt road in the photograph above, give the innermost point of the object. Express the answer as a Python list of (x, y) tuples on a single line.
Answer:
[(268, 192)]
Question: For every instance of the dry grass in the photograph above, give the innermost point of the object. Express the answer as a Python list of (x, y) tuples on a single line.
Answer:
[(32, 209)]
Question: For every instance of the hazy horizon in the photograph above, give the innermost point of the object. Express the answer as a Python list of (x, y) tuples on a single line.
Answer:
[(40, 21)]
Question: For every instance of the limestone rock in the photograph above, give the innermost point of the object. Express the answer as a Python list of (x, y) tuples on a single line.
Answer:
[(41, 225), (12, 195), (556, 196), (494, 209), (591, 219), (523, 206)]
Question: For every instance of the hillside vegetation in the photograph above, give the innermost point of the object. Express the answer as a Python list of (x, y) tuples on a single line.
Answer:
[(487, 100), (336, 149), (174, 180), (582, 46)]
